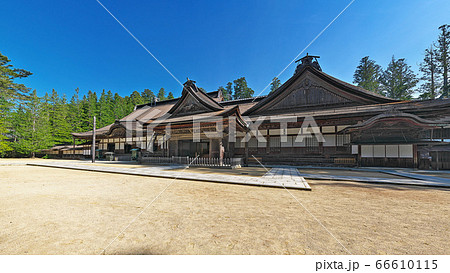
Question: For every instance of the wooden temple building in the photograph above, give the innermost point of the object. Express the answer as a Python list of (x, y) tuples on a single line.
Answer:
[(346, 125)]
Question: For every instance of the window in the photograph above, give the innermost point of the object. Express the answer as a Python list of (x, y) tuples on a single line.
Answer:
[(275, 142), (330, 140), (342, 139)]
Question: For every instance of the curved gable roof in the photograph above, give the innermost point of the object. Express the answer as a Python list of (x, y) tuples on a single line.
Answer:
[(193, 101), (310, 87)]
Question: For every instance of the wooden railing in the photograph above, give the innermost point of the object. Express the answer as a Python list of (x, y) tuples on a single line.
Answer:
[(233, 162)]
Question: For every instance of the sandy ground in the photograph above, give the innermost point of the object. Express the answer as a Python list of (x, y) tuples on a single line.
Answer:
[(57, 211)]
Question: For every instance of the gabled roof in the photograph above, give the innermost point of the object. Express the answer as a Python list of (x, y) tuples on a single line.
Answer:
[(310, 87), (194, 101)]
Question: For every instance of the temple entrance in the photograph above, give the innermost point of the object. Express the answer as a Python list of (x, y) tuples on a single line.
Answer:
[(190, 148)]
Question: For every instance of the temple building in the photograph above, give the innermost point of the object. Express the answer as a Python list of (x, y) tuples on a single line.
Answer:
[(312, 119)]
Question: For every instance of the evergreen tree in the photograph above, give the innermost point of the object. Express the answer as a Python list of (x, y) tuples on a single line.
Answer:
[(10, 94), (106, 111), (430, 74), (61, 126), (120, 109), (31, 128), (76, 115), (136, 98), (398, 80), (161, 94), (367, 75), (224, 93), (90, 110), (274, 85), (443, 56), (241, 90), (170, 96), (228, 95), (147, 95)]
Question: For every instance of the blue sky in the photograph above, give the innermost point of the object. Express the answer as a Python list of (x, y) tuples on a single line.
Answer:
[(70, 44)]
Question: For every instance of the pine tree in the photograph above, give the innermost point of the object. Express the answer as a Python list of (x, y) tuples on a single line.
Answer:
[(106, 111), (274, 85), (119, 107), (224, 93), (430, 74), (228, 95), (161, 94), (170, 96), (61, 126), (443, 56), (75, 110), (10, 94), (147, 95), (398, 80), (241, 89), (31, 128), (90, 110), (367, 75), (136, 98)]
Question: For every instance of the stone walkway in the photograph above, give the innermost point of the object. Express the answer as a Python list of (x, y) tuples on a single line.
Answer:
[(277, 177), (285, 176), (431, 182)]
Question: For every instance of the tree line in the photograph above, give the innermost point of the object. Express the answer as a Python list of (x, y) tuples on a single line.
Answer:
[(29, 123), (399, 81)]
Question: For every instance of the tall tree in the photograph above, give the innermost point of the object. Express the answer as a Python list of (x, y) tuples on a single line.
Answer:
[(161, 94), (398, 80), (170, 96), (106, 111), (90, 109), (443, 56), (76, 115), (367, 75), (147, 95), (224, 93), (274, 85), (228, 95), (136, 98), (120, 107), (32, 130), (430, 74), (241, 89), (10, 93)]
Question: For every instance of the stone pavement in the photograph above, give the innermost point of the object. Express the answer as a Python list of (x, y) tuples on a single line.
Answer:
[(285, 176), (279, 177), (431, 182)]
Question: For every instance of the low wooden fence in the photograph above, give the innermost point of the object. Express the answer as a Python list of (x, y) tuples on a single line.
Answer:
[(233, 162)]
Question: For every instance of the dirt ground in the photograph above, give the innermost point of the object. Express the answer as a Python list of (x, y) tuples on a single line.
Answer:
[(57, 211)]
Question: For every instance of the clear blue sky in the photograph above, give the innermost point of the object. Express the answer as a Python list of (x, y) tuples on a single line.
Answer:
[(70, 44)]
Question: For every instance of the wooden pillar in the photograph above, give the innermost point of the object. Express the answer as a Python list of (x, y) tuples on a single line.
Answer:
[(246, 152), (146, 142), (221, 152), (93, 143), (359, 156), (437, 160), (73, 152), (210, 148)]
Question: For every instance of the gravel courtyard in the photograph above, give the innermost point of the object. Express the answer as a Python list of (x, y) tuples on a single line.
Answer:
[(57, 211)]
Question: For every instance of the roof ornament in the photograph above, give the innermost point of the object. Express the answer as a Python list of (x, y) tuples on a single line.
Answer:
[(189, 82), (308, 60)]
